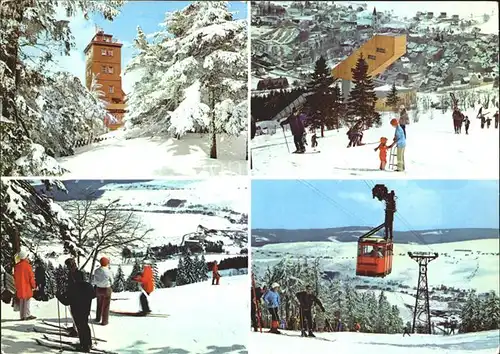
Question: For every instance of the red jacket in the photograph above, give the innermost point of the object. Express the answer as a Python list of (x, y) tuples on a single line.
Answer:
[(24, 280), (146, 279), (215, 270)]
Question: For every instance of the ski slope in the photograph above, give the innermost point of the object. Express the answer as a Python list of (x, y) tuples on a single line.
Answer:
[(433, 151), (198, 315), (143, 158), (362, 343)]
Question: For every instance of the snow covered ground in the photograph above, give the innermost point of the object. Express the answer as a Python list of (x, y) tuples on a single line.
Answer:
[(433, 151), (362, 343), (202, 319), (118, 157)]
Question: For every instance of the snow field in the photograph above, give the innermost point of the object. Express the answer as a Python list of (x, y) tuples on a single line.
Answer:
[(198, 315), (433, 151), (362, 343), (143, 158)]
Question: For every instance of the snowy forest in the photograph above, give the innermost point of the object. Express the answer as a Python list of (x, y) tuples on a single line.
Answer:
[(194, 75), (347, 305), (43, 114)]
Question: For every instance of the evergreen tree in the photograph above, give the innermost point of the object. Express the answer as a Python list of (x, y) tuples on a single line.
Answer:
[(362, 98), (321, 100), (203, 269), (181, 278), (61, 279), (470, 314), (189, 268), (392, 99), (395, 321), (50, 286), (491, 312), (337, 109), (156, 275), (131, 284), (119, 282), (383, 314)]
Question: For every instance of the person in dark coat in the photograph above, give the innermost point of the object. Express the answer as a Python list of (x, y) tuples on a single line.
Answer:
[(467, 125), (297, 129), (78, 296), (73, 273), (496, 120), (407, 329), (40, 280), (355, 135), (255, 300), (253, 128), (306, 301)]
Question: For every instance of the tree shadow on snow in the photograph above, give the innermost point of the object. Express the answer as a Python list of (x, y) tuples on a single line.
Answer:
[(15, 345), (136, 348)]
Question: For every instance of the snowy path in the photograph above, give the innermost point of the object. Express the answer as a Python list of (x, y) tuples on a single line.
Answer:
[(203, 319), (433, 151), (138, 158), (361, 343)]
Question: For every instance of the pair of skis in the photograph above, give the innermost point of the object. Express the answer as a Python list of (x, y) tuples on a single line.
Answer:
[(300, 336)]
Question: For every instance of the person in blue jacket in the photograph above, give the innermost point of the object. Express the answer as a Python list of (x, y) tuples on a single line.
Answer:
[(272, 300), (297, 129), (400, 142)]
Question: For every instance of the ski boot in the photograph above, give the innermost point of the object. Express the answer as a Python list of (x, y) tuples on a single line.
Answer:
[(30, 318), (303, 333), (311, 334), (72, 332)]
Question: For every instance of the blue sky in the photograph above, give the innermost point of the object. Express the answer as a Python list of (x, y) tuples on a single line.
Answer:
[(421, 204), (146, 14)]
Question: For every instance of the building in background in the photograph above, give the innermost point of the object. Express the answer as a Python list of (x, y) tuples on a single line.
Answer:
[(103, 59)]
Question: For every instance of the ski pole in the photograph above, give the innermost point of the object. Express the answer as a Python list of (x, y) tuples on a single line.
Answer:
[(284, 135), (66, 316), (59, 320)]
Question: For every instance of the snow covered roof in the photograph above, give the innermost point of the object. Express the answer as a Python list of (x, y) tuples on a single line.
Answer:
[(387, 88)]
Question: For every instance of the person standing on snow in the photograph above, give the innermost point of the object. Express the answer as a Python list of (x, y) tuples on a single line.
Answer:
[(40, 280), (357, 327), (24, 280), (400, 142), (146, 282), (306, 300), (73, 273), (403, 119), (78, 296), (496, 119), (103, 280), (407, 329), (215, 274), (297, 129), (255, 305), (272, 299), (467, 125)]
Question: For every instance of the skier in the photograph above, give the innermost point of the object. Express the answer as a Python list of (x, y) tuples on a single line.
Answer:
[(25, 284), (407, 329), (453, 326), (400, 142), (40, 280), (73, 273), (215, 274), (467, 125), (314, 141), (103, 281), (254, 306), (340, 326), (78, 296), (328, 326), (306, 300), (457, 119), (272, 299), (496, 119), (147, 285), (355, 135), (481, 116), (382, 152), (297, 129), (488, 122), (403, 119)]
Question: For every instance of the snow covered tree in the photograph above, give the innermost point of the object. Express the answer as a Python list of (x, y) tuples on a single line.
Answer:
[(50, 286), (31, 213), (32, 33), (131, 284), (61, 279), (193, 77), (392, 99), (395, 321), (383, 314), (362, 98), (181, 277), (470, 314), (490, 312), (119, 283), (203, 269), (156, 275)]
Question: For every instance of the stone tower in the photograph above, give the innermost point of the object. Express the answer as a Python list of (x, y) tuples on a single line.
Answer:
[(103, 59)]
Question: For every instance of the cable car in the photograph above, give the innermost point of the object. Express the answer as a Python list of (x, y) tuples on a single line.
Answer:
[(374, 252)]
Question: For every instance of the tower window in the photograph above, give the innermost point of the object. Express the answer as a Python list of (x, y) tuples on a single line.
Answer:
[(111, 89), (103, 69), (372, 57), (110, 53), (103, 52), (380, 50), (110, 70)]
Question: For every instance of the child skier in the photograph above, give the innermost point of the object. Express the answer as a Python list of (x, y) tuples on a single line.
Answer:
[(314, 141), (467, 125), (382, 152), (215, 274)]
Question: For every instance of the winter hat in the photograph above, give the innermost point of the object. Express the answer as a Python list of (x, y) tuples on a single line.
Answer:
[(383, 140), (275, 285), (22, 254), (394, 121), (104, 261), (146, 261), (401, 107)]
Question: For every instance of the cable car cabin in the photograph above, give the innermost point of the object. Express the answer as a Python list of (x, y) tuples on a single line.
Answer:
[(374, 257)]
